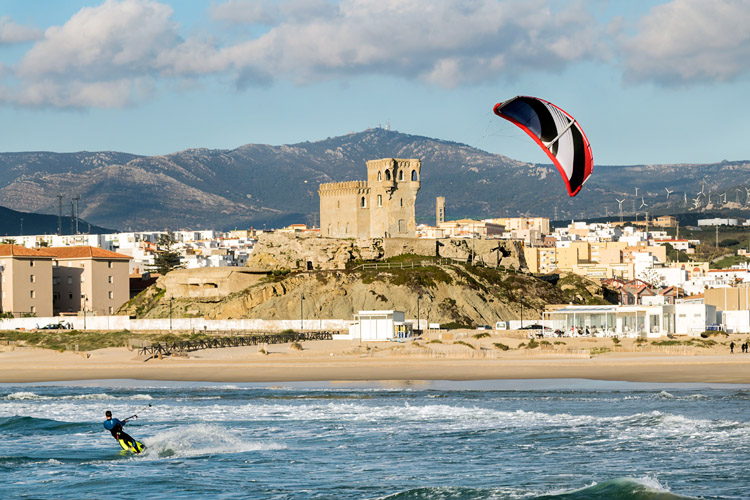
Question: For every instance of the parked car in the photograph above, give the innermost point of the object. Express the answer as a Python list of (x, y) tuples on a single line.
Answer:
[(532, 327)]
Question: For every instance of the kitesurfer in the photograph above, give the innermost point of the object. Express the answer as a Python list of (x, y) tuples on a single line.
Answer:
[(114, 426)]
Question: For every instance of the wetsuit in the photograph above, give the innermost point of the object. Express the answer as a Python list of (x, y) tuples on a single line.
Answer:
[(114, 426)]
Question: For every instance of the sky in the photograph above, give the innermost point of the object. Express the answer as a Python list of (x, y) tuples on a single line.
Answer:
[(649, 81)]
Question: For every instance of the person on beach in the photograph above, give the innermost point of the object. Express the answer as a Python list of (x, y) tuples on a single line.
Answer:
[(731, 348), (114, 426)]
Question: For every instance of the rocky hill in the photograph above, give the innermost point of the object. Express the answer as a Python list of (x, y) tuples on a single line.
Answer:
[(347, 276), (456, 294), (257, 185)]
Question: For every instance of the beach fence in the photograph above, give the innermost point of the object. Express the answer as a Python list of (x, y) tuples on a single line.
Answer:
[(119, 323)]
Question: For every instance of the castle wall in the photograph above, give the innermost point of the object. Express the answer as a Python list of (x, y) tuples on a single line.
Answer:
[(344, 209)]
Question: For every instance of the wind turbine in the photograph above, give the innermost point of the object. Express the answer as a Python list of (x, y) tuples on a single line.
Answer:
[(643, 203), (619, 202), (697, 202), (668, 192), (685, 197), (703, 187), (724, 195), (747, 196)]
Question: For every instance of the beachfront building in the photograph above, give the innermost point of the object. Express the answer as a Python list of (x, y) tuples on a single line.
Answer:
[(651, 319), (25, 281), (88, 279), (379, 326)]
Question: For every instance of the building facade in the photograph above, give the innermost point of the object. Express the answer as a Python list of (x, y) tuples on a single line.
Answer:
[(88, 279), (25, 281), (380, 207)]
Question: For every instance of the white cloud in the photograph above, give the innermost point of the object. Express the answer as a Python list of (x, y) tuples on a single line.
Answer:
[(687, 41), (98, 55), (11, 32), (447, 42)]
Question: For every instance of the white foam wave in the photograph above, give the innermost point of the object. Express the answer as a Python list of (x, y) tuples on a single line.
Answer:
[(201, 439), (22, 396), (665, 394)]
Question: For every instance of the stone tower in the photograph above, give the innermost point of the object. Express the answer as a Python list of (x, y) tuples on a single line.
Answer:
[(439, 210), (381, 207)]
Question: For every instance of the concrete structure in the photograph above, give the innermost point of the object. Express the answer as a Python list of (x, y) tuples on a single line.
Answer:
[(381, 207), (26, 282), (88, 279), (379, 326)]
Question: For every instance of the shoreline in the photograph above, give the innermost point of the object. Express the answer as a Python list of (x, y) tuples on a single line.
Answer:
[(327, 362)]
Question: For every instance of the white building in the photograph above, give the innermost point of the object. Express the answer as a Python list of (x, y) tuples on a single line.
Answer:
[(655, 320), (379, 326)]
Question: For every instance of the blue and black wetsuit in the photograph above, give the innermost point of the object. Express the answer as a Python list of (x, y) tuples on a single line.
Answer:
[(114, 426)]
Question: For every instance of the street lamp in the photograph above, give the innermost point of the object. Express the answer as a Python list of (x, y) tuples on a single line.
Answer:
[(301, 311), (171, 299), (418, 326), (85, 301), (521, 314)]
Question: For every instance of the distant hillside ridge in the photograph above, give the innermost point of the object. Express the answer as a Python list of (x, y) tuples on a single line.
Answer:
[(261, 185), (13, 223)]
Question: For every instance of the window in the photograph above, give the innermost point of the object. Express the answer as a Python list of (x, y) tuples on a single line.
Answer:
[(110, 279), (380, 177), (347, 228), (401, 226), (70, 296), (401, 175), (387, 175), (31, 263), (111, 310), (363, 202), (32, 278), (32, 294), (111, 294), (402, 201), (109, 264), (55, 281), (32, 310), (380, 200), (70, 280), (414, 175)]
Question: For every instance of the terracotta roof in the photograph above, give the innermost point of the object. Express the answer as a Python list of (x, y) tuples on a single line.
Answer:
[(20, 251), (82, 253)]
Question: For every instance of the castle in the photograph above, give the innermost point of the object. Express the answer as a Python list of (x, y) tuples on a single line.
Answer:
[(381, 207)]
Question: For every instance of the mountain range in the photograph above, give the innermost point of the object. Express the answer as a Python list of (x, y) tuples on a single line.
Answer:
[(262, 185)]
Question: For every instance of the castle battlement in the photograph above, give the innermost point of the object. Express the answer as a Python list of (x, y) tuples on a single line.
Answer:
[(338, 188)]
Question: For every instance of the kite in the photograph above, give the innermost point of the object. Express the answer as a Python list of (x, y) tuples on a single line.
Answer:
[(557, 133)]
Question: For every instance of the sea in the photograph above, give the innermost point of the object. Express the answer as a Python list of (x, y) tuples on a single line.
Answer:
[(420, 440)]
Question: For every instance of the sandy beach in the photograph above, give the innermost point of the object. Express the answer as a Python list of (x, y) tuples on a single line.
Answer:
[(339, 360)]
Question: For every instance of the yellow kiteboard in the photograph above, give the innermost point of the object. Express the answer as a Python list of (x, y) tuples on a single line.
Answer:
[(139, 447)]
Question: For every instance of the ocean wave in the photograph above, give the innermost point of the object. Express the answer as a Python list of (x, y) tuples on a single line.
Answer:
[(199, 440), (30, 396), (621, 489)]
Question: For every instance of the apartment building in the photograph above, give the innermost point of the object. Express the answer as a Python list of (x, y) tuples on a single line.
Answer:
[(26, 283), (88, 279)]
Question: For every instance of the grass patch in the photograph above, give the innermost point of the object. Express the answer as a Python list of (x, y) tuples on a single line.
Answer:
[(559, 342), (533, 344), (461, 342), (482, 335), (600, 350), (435, 341), (501, 346)]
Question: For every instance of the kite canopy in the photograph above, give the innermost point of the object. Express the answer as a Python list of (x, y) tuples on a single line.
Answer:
[(557, 133)]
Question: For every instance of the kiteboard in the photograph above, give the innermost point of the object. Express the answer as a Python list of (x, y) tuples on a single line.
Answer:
[(128, 446)]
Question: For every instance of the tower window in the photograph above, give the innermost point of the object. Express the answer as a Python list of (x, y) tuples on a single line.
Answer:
[(363, 202), (387, 175), (401, 175), (380, 200), (414, 175), (380, 177)]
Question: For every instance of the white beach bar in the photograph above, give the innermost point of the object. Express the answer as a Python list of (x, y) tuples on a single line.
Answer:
[(379, 326), (654, 320)]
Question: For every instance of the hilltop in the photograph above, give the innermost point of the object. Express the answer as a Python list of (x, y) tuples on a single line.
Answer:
[(257, 184)]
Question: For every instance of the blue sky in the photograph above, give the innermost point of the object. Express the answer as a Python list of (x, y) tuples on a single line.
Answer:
[(649, 81)]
